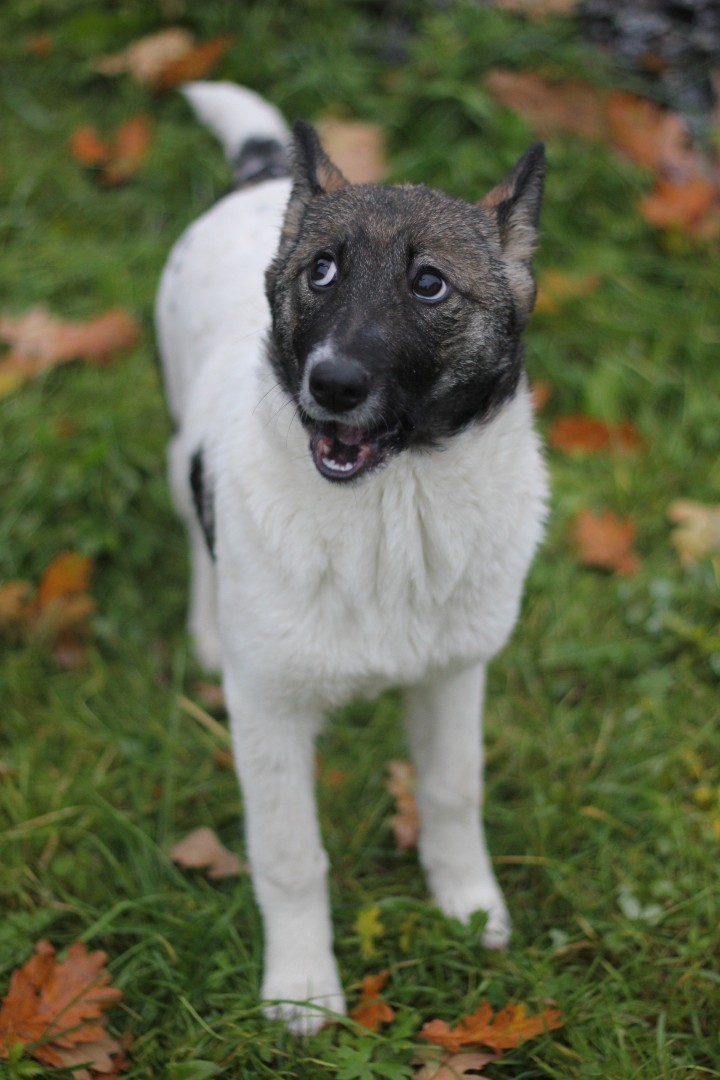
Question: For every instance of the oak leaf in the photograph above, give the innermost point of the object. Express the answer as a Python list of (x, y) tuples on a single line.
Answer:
[(406, 822), (371, 1011), (698, 529), (39, 341), (606, 541), (571, 433), (503, 1030), (201, 850), (55, 1009)]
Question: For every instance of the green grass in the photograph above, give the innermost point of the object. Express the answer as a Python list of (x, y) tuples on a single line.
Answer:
[(603, 739)]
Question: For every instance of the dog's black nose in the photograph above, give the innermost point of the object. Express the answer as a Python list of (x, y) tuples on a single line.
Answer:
[(339, 385)]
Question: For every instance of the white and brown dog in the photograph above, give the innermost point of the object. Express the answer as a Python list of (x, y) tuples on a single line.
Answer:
[(356, 465)]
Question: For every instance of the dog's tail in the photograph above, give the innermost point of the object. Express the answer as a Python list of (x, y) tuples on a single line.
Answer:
[(251, 131)]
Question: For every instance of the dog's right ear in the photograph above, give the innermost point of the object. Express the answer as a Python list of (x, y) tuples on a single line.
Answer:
[(313, 174)]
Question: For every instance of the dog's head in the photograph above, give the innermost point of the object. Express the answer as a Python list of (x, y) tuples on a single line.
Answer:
[(397, 310)]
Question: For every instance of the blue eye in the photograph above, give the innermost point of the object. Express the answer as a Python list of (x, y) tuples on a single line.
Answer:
[(429, 285), (323, 272)]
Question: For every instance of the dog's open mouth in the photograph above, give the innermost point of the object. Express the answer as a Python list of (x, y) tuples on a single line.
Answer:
[(343, 452)]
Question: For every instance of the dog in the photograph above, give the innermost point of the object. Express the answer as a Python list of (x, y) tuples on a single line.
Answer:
[(355, 461)]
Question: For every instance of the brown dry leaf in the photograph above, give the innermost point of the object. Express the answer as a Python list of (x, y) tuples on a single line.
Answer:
[(573, 107), (698, 529), (451, 1066), (557, 288), (117, 160), (406, 823), (196, 63), (504, 1030), (370, 1012), (41, 45), (679, 205), (539, 9), (572, 433), (606, 541), (55, 1009), (356, 147), (201, 850), (40, 340), (541, 393), (66, 575), (15, 606), (648, 135), (146, 58)]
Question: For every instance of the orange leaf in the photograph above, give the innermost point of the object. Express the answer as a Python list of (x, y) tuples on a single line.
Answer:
[(508, 1028), (606, 541), (678, 205), (201, 850), (196, 63), (88, 148), (40, 340), (54, 1007), (570, 433), (356, 147), (550, 108), (406, 823), (66, 575), (130, 148), (371, 1012), (541, 394), (649, 135), (556, 287)]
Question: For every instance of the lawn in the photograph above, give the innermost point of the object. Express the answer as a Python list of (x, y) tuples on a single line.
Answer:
[(603, 734)]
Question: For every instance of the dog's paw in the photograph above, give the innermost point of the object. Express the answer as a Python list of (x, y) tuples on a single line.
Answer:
[(466, 899), (304, 1003)]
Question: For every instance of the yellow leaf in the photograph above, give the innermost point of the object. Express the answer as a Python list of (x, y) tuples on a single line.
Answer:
[(368, 927)]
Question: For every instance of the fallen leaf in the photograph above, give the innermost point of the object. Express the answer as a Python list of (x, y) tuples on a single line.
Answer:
[(40, 340), (41, 45), (15, 606), (356, 147), (56, 1009), (539, 9), (146, 58), (196, 63), (557, 288), (371, 1011), (504, 1030), (67, 575), (201, 850), (406, 823), (368, 927), (450, 1066), (698, 529), (550, 108), (541, 394), (650, 136), (680, 204), (606, 541), (118, 159), (571, 433)]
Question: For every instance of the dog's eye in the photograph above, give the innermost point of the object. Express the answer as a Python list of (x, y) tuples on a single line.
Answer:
[(323, 272), (429, 285)]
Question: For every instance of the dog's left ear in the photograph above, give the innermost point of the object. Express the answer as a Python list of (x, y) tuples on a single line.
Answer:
[(313, 174), (515, 205)]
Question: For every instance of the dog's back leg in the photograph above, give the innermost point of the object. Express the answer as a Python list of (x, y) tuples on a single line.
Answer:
[(445, 730)]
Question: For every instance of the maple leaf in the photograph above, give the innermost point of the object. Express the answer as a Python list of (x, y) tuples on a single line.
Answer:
[(116, 160), (55, 1009), (40, 340), (356, 147), (371, 1011), (606, 541), (698, 529), (406, 823), (201, 850), (571, 433), (504, 1030)]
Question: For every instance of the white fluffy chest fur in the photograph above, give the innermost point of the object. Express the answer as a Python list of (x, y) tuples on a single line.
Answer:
[(347, 589)]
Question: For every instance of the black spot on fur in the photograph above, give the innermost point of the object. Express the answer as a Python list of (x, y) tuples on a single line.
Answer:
[(260, 159), (203, 499)]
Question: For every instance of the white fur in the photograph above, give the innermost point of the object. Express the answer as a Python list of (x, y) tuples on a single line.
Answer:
[(322, 592)]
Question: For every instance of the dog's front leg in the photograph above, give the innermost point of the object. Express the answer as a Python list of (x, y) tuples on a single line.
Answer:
[(274, 750), (444, 720)]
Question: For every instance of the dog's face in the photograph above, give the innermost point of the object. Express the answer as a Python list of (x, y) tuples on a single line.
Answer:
[(397, 311)]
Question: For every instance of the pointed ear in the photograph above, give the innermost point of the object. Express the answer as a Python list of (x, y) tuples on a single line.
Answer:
[(313, 174)]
